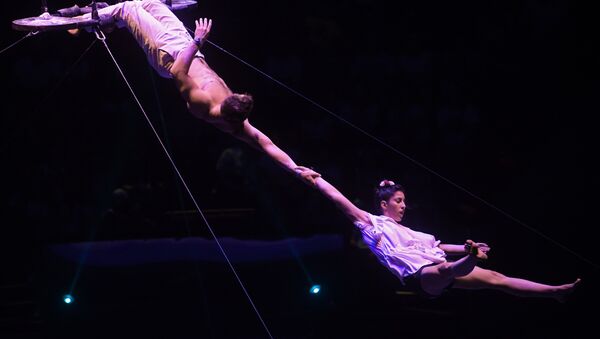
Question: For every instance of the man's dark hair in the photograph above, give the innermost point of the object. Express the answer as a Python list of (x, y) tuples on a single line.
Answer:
[(237, 107), (384, 192)]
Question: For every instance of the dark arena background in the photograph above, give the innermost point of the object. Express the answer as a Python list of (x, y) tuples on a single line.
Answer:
[(482, 110)]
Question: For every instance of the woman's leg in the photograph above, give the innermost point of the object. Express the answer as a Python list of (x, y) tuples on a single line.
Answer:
[(481, 278), (435, 279)]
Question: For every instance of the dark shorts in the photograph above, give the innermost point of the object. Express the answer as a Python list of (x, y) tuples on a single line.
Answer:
[(413, 282)]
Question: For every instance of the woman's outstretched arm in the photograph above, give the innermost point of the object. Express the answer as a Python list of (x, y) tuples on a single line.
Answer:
[(344, 204)]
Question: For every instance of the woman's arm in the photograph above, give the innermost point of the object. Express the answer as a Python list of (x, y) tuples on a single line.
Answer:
[(451, 249), (461, 249), (350, 210)]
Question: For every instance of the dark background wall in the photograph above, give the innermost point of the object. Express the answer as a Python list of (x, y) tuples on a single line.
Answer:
[(487, 109)]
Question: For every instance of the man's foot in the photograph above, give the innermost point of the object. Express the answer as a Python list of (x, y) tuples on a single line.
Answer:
[(74, 31), (472, 248), (76, 10), (107, 25), (69, 12), (178, 5), (88, 9), (565, 291)]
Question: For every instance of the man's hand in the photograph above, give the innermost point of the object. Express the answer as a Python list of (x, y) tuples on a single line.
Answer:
[(307, 175), (202, 29)]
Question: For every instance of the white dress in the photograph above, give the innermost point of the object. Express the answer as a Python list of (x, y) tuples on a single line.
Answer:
[(400, 249)]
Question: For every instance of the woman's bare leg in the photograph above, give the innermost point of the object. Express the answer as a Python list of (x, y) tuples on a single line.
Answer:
[(434, 279), (481, 278)]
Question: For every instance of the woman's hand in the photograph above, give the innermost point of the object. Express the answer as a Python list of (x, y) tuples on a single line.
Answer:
[(483, 247)]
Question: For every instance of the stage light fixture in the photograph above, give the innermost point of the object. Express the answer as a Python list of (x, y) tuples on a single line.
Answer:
[(68, 299)]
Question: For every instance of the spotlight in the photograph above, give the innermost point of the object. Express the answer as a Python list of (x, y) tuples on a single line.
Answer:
[(315, 289), (68, 299)]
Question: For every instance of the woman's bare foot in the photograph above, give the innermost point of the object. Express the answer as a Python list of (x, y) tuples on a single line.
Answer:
[(564, 291)]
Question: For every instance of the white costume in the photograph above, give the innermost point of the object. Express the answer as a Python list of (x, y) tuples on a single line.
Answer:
[(400, 249)]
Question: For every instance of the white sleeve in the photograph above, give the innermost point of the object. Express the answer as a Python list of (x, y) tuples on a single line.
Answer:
[(371, 232)]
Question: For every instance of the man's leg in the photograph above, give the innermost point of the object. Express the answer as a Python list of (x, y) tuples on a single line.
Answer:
[(165, 16), (149, 33), (144, 27), (175, 37)]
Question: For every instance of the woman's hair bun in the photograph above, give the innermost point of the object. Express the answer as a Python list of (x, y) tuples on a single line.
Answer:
[(386, 182)]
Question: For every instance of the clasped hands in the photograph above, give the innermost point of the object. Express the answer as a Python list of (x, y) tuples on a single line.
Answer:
[(308, 175)]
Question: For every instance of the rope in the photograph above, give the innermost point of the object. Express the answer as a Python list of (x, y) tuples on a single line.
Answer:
[(414, 161), (16, 42), (100, 35), (67, 73), (163, 124)]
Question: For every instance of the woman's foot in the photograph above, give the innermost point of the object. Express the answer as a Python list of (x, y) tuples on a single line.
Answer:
[(564, 291)]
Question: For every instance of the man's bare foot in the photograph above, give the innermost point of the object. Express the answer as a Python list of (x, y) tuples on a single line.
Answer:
[(472, 248), (74, 31), (564, 291), (107, 24), (75, 10)]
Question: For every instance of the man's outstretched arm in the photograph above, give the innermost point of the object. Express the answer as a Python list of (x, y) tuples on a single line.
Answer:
[(257, 139)]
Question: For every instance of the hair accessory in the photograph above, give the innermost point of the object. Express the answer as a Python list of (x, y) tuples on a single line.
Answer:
[(384, 183)]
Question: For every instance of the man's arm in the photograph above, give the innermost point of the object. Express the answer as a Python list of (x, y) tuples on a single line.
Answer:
[(181, 66), (257, 139)]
